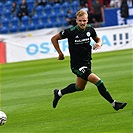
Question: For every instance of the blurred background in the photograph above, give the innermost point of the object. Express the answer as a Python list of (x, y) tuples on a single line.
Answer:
[(27, 15)]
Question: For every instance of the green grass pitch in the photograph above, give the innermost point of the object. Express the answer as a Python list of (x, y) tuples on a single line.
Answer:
[(26, 95)]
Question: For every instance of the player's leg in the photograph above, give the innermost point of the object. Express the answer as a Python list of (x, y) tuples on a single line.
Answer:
[(81, 83), (79, 86), (104, 92), (101, 88)]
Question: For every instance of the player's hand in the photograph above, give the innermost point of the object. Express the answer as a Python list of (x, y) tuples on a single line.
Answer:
[(61, 56), (96, 46)]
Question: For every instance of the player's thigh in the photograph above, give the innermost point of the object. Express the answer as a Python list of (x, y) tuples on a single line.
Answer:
[(93, 78), (80, 83)]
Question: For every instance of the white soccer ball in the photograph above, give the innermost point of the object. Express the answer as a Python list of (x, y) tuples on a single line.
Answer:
[(3, 118)]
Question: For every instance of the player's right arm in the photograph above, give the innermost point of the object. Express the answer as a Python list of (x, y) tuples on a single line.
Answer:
[(54, 40)]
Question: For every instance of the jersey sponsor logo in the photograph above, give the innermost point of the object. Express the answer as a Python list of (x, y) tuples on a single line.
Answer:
[(81, 41)]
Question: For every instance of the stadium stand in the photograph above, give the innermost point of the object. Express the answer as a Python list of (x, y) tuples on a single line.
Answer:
[(22, 28), (7, 13), (53, 17), (30, 5), (13, 29), (0, 17), (8, 5), (4, 30), (35, 19), (39, 10), (58, 23), (31, 26), (25, 20), (5, 22), (40, 25), (48, 16), (65, 6), (15, 21), (75, 6), (61, 15), (44, 18), (57, 8), (48, 9), (1, 6), (49, 24)]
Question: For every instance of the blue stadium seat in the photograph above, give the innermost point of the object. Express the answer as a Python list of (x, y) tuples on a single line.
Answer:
[(35, 19), (1, 6), (5, 22), (25, 20), (7, 13), (15, 21), (64, 22), (61, 15), (0, 16), (22, 28), (19, 2), (8, 5), (40, 25), (13, 29), (53, 17), (30, 5), (65, 6), (44, 18), (3, 30), (39, 10), (48, 9), (31, 27), (57, 8), (49, 25), (75, 6), (58, 24)]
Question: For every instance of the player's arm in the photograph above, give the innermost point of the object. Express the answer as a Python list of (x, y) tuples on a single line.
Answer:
[(54, 40), (98, 43)]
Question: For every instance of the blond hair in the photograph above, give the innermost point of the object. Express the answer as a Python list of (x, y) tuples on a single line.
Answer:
[(81, 13)]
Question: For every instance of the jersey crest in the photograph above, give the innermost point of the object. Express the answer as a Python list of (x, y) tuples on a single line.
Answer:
[(88, 34)]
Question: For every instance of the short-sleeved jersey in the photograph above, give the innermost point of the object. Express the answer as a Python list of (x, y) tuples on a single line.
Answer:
[(79, 44)]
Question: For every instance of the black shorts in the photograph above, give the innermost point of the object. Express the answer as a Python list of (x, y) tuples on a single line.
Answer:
[(82, 72)]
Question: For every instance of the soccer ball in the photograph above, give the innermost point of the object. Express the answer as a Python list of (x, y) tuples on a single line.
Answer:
[(3, 118)]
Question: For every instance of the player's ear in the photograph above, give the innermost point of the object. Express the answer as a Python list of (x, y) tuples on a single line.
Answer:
[(76, 20), (87, 19)]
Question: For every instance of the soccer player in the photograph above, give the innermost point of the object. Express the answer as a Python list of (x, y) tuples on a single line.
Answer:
[(80, 59)]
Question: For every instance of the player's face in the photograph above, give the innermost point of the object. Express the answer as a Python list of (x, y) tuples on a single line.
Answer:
[(82, 21)]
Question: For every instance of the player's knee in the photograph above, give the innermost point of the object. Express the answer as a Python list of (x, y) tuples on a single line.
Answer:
[(79, 88), (99, 82)]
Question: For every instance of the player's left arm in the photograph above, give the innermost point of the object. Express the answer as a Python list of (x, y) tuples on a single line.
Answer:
[(98, 43)]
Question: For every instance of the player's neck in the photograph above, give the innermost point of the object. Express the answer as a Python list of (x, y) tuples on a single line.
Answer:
[(80, 28)]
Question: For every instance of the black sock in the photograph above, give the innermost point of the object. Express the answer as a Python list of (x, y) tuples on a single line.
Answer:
[(70, 89), (103, 91)]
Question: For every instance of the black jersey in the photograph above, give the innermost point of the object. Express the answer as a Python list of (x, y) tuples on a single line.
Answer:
[(79, 44)]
